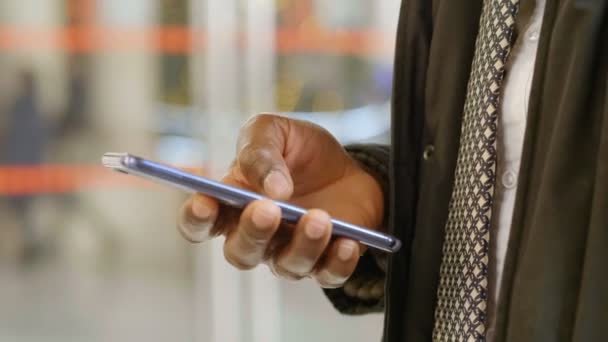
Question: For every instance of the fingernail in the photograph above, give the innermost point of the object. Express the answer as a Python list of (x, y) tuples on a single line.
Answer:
[(200, 210), (345, 251), (315, 229), (276, 185), (265, 215)]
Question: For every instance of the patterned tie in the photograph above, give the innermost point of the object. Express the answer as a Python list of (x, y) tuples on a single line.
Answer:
[(460, 314)]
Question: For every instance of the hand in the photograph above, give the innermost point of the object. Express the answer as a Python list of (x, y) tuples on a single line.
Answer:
[(303, 164)]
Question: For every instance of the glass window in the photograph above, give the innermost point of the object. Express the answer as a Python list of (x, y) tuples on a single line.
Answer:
[(91, 255)]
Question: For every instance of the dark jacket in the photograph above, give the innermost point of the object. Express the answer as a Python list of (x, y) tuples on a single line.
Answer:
[(555, 283)]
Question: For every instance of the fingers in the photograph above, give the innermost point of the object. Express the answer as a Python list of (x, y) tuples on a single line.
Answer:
[(197, 218), (306, 250), (310, 239), (260, 156), (340, 262), (246, 245), (201, 217)]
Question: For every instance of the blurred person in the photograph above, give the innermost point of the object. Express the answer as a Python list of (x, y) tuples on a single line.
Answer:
[(74, 124), (75, 117), (27, 135), (496, 181)]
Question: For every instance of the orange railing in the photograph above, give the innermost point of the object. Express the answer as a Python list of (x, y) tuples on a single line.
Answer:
[(57, 179), (182, 40)]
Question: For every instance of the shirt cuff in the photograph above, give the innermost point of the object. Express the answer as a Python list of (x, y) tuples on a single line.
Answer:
[(363, 292)]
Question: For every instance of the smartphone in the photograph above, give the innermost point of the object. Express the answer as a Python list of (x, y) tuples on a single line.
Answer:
[(236, 197)]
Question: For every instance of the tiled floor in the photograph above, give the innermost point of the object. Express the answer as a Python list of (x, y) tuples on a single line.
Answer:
[(110, 274)]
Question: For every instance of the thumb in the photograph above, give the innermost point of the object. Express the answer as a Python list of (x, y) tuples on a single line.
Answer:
[(260, 156), (278, 185)]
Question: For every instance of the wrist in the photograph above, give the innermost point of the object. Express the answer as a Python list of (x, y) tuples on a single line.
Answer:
[(373, 161)]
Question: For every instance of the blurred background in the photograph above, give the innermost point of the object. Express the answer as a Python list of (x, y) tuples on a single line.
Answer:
[(89, 255)]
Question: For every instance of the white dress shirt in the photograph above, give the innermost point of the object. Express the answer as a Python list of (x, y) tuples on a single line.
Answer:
[(511, 129)]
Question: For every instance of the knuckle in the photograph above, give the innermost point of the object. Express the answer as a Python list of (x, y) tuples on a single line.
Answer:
[(352, 286), (257, 121), (377, 290), (296, 266), (255, 238), (365, 291), (265, 118), (192, 224), (282, 272), (328, 282), (236, 261), (254, 159), (332, 277), (252, 155), (250, 245), (193, 230), (186, 235)]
